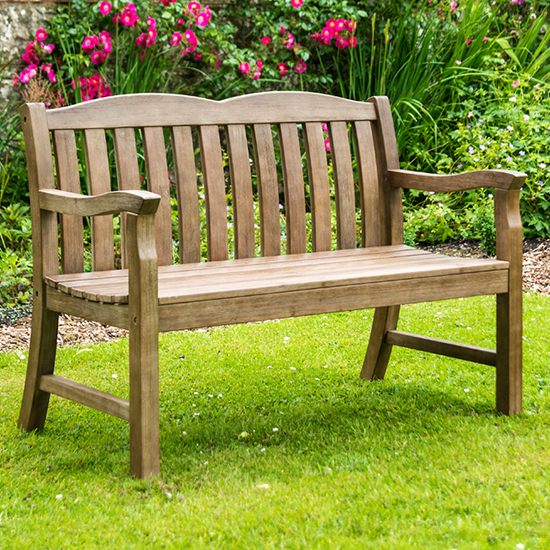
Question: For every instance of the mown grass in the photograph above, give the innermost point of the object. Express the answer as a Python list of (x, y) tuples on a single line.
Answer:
[(282, 446)]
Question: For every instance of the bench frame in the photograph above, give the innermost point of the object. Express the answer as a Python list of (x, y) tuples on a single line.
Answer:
[(144, 250)]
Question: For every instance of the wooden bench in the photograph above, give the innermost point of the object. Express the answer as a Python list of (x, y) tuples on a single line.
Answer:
[(153, 293)]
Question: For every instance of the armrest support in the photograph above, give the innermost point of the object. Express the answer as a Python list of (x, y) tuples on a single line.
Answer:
[(442, 183), (74, 204)]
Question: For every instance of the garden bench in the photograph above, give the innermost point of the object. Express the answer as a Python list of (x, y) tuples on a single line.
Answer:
[(151, 293)]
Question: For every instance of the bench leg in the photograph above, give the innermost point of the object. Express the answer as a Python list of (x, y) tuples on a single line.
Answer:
[(509, 352), (41, 361), (144, 404), (144, 347), (378, 352)]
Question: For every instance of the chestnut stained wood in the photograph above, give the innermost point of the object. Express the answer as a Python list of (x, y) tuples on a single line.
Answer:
[(151, 294), (214, 188), (293, 177), (241, 186), (99, 179), (68, 179), (158, 182), (187, 194), (319, 187), (268, 189)]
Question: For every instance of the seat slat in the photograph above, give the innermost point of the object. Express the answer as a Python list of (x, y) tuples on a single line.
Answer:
[(241, 187), (127, 169), (99, 178), (214, 188), (293, 178), (319, 187), (188, 200), (268, 190), (158, 182), (68, 179), (368, 183), (343, 185)]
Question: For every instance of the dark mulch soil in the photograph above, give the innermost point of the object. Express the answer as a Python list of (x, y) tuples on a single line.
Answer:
[(15, 321)]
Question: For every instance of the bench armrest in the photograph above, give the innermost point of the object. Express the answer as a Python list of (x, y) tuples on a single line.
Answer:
[(442, 183), (74, 204)]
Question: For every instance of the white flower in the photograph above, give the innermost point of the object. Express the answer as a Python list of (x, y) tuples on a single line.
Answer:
[(58, 497), (115, 376), (458, 62), (292, 368), (263, 486), (262, 450), (466, 390), (525, 117), (542, 165), (513, 99), (275, 429)]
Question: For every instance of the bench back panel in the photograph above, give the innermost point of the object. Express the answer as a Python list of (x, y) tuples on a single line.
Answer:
[(237, 142)]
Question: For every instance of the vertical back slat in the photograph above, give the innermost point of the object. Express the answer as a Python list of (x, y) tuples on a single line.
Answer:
[(368, 183), (241, 187), (319, 187), (99, 178), (386, 152), (214, 188), (68, 179), (127, 169), (268, 189), (293, 177), (158, 182), (188, 202), (343, 185)]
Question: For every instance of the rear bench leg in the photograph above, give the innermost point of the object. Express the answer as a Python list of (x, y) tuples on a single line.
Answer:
[(378, 352), (509, 352), (41, 361)]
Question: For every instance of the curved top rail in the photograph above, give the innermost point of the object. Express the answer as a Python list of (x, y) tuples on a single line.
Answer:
[(141, 110)]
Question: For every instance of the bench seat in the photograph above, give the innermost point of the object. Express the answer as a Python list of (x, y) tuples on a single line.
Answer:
[(347, 277)]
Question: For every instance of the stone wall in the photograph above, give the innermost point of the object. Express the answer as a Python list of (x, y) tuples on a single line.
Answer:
[(18, 22)]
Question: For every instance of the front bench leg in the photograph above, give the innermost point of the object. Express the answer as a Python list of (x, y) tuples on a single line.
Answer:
[(378, 351), (34, 406), (144, 363), (509, 305)]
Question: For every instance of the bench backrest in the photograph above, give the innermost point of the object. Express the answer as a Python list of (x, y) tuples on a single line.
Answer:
[(362, 143)]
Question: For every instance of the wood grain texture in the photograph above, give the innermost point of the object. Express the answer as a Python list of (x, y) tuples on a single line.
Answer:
[(378, 350), (99, 181), (444, 183), (214, 188), (369, 185), (140, 110), (138, 202), (185, 172), (68, 179), (177, 284), (42, 350), (144, 365), (391, 201), (343, 185), (85, 395), (268, 189), (241, 187), (127, 169), (509, 235), (319, 187), (322, 300), (293, 178), (158, 182), (473, 354)]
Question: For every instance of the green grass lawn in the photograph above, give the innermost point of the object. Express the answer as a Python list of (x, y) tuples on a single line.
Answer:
[(270, 440)]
